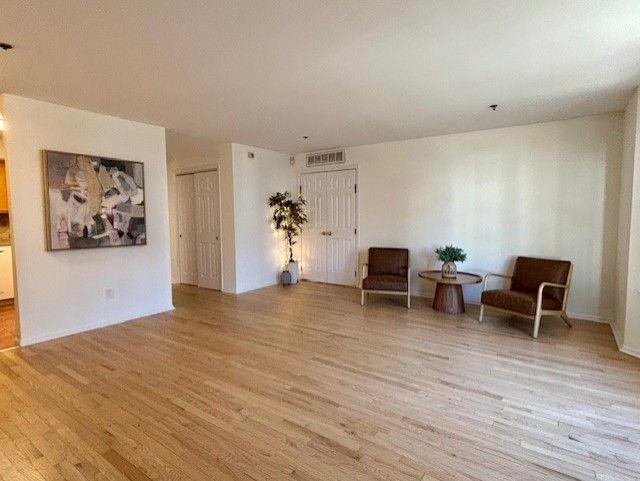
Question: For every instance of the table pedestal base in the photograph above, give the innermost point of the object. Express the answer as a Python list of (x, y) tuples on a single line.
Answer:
[(448, 298)]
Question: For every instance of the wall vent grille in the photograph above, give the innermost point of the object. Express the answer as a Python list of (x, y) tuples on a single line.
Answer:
[(328, 157)]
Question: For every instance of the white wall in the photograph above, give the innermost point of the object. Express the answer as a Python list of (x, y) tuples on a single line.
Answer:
[(63, 292), (632, 325), (624, 223), (627, 326), (249, 245), (548, 189), (260, 250)]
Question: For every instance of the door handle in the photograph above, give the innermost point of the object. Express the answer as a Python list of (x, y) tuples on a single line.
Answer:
[(328, 232), (323, 233)]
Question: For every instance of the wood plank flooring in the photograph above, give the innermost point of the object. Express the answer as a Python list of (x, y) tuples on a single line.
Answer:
[(301, 383), (8, 332)]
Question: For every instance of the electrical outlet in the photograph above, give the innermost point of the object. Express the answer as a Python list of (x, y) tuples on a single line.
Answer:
[(108, 294)]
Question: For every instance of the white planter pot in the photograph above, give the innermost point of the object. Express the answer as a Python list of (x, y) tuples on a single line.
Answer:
[(294, 270), (449, 270)]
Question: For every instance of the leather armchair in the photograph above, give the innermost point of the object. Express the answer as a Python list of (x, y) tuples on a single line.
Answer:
[(387, 272), (538, 287)]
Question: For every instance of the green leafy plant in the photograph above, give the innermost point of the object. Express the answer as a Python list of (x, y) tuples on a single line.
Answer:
[(288, 217), (451, 254)]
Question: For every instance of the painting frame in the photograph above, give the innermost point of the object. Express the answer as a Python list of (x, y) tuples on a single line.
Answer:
[(46, 189)]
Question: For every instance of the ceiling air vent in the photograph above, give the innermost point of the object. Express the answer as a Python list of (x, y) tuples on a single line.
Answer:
[(328, 157)]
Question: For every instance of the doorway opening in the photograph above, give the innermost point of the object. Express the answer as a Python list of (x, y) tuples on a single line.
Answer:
[(330, 238), (198, 222)]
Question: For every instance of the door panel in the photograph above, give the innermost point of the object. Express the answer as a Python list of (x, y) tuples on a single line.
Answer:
[(340, 227), (208, 229), (187, 230), (314, 245), (329, 251)]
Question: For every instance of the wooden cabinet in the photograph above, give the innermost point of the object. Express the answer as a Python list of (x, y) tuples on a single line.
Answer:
[(6, 273), (4, 200)]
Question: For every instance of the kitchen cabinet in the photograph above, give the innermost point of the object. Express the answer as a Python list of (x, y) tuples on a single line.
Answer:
[(6, 273), (4, 199)]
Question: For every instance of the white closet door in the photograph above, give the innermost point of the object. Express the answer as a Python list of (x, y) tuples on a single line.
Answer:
[(187, 230), (314, 246), (208, 229), (341, 227)]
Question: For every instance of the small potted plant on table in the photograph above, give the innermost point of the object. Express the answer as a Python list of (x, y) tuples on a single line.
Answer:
[(289, 217), (450, 255)]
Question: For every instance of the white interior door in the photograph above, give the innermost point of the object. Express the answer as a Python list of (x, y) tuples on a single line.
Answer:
[(314, 242), (341, 227), (187, 229), (329, 250), (208, 229)]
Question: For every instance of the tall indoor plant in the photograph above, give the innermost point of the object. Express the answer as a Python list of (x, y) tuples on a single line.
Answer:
[(289, 217)]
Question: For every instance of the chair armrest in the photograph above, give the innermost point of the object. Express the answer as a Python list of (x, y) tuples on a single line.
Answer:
[(365, 270), (550, 284), (487, 276)]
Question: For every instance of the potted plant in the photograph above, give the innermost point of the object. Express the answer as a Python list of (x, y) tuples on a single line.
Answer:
[(289, 217), (450, 255)]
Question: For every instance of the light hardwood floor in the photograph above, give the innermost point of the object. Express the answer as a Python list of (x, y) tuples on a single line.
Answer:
[(8, 333), (302, 383)]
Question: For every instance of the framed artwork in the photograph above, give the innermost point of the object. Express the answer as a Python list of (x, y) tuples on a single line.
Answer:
[(93, 201)]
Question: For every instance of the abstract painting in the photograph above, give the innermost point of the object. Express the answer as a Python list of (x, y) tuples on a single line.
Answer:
[(93, 201)]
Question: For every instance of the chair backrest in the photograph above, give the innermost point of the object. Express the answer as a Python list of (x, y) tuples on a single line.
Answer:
[(530, 272), (388, 260)]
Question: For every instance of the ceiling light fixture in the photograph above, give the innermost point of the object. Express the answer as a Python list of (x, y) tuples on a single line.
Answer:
[(5, 46), (305, 137)]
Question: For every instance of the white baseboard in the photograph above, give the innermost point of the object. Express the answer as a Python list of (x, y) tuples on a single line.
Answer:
[(616, 335), (256, 287), (619, 341), (630, 351), (48, 336), (589, 317)]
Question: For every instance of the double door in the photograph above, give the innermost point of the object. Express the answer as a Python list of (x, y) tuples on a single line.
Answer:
[(199, 229), (329, 247)]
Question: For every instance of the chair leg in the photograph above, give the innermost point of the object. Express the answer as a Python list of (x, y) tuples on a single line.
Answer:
[(481, 317), (408, 300), (566, 319), (536, 324), (362, 297)]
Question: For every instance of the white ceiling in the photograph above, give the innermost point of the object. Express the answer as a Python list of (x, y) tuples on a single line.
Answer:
[(268, 72)]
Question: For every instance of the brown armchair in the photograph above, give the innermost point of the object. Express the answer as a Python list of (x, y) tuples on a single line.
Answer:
[(538, 287), (387, 272)]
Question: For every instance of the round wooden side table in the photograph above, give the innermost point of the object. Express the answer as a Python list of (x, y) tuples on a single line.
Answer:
[(448, 297)]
